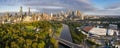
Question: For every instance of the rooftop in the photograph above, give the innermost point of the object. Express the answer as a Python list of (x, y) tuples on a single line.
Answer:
[(87, 28)]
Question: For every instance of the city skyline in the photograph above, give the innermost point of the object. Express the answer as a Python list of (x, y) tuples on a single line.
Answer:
[(59, 24), (94, 7)]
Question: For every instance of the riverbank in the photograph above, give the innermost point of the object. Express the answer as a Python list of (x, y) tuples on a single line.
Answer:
[(77, 36)]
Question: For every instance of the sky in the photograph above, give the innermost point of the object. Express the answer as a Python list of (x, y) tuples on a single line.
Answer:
[(90, 7)]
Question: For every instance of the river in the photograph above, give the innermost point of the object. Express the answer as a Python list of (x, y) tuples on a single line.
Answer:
[(66, 35)]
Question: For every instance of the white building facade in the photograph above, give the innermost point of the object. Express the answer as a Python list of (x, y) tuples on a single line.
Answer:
[(102, 31)]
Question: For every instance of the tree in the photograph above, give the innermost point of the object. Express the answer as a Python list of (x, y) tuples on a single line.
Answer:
[(24, 34), (14, 45), (21, 41), (41, 45), (28, 42), (34, 45), (6, 46), (25, 46), (36, 37), (17, 35), (53, 41)]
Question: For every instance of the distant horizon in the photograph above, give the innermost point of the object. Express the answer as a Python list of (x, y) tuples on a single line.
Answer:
[(90, 7), (3, 13)]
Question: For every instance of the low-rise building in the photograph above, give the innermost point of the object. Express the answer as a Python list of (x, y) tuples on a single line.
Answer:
[(27, 18), (99, 31)]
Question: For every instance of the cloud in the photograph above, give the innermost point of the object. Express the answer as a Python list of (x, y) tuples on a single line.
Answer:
[(8, 2), (104, 12), (50, 7), (85, 1), (83, 5), (114, 6), (60, 4), (110, 9)]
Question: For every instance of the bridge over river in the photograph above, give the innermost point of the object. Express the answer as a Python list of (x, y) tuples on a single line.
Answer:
[(66, 39)]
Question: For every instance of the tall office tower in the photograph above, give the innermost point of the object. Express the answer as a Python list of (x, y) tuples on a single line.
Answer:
[(78, 13), (62, 13), (82, 16), (21, 13), (28, 11), (16, 14), (73, 13), (69, 12), (51, 16)]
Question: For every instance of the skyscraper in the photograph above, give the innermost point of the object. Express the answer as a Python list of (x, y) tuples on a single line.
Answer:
[(69, 12), (78, 13), (28, 11), (82, 16), (21, 11)]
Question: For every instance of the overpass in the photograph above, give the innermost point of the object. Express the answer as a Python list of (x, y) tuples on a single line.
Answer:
[(67, 43)]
